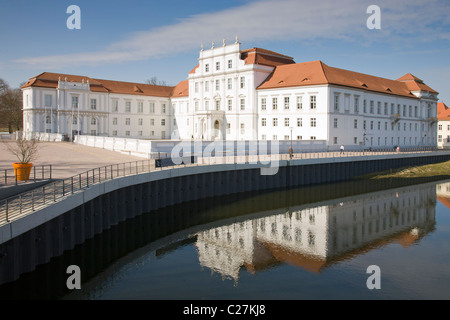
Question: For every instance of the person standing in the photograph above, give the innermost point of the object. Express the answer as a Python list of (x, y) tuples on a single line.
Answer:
[(342, 149)]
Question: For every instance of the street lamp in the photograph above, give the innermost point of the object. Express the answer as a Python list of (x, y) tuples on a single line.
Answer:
[(291, 151)]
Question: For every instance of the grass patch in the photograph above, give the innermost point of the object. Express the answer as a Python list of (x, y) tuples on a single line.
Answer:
[(430, 170)]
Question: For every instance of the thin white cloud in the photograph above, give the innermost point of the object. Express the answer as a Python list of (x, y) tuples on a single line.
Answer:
[(272, 20)]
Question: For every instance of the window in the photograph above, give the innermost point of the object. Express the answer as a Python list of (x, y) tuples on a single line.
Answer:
[(114, 133), (140, 133), (228, 128), (206, 86), (263, 103), (93, 121), (140, 121), (313, 122), (48, 119), (196, 87), (286, 137), (299, 103), (207, 67), (93, 104), (128, 106), (313, 102), (127, 133), (74, 120), (356, 104), (48, 100), (217, 66), (163, 122), (372, 105), (313, 137), (217, 105), (385, 108), (335, 140), (152, 107), (335, 122), (275, 103), (242, 128), (275, 122), (140, 107), (355, 124), (299, 122), (263, 137), (274, 137), (114, 122), (152, 122), (217, 85), (230, 64), (263, 122), (93, 132), (229, 83), (286, 122), (355, 140), (115, 104), (378, 107), (242, 82), (127, 121), (242, 104), (286, 103), (163, 108), (230, 105), (74, 102), (336, 102)]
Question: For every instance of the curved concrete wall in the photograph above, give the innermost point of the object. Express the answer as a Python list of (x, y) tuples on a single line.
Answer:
[(47, 233)]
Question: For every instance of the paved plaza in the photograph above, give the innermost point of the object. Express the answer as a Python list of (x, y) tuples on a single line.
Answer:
[(67, 158)]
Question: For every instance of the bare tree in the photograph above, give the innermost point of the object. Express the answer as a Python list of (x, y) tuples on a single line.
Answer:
[(3, 86), (155, 81), (11, 109), (24, 150)]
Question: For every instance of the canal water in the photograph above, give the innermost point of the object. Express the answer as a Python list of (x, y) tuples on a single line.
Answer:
[(353, 240)]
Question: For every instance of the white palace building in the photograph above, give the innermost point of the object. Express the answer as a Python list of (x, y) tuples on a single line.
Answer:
[(236, 94)]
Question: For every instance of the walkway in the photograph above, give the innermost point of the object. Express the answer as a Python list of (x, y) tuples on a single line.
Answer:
[(68, 159)]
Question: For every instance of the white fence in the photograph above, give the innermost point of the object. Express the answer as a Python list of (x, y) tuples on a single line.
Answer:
[(161, 148)]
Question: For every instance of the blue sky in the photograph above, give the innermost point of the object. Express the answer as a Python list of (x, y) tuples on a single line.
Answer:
[(136, 40)]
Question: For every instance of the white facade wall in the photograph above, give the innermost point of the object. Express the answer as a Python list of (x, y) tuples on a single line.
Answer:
[(443, 140), (73, 108)]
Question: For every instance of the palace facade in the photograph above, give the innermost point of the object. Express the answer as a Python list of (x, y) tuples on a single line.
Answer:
[(235, 94)]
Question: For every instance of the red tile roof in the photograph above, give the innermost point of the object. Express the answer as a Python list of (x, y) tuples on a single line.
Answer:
[(265, 57), (443, 112), (181, 89), (50, 80), (318, 73)]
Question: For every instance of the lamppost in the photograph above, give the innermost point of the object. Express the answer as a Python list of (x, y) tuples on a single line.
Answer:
[(291, 151)]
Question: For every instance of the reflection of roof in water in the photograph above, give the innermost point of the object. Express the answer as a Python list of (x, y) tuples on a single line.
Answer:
[(317, 264), (445, 201)]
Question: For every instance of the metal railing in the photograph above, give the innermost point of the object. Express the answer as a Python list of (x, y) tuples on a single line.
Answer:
[(30, 201), (8, 177)]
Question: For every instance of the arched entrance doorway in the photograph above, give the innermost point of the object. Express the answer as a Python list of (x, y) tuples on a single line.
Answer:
[(217, 129)]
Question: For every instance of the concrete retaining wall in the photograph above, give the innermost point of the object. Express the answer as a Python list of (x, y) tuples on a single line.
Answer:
[(47, 233)]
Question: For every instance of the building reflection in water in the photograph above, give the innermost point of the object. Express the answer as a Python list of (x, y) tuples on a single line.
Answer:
[(317, 237), (443, 193)]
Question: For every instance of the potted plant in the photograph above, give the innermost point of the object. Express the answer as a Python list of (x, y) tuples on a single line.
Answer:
[(25, 152)]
